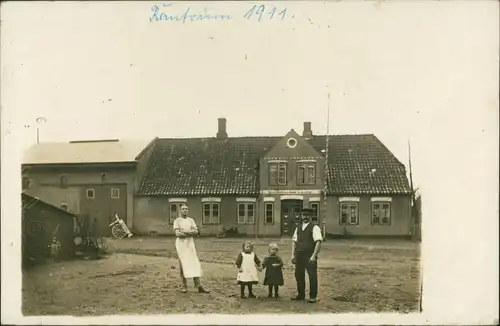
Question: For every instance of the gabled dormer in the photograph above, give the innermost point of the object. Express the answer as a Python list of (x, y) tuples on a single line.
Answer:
[(292, 163), (292, 145)]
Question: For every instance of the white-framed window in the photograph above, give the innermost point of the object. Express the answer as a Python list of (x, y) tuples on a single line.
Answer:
[(175, 205), (277, 174), (306, 173), (90, 193), (211, 213), (315, 216), (175, 209), (381, 213), (349, 213), (115, 193), (269, 213), (246, 213)]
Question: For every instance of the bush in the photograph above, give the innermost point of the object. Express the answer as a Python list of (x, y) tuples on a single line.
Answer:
[(92, 245)]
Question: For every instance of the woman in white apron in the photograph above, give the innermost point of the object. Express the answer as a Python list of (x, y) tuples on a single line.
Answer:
[(185, 229)]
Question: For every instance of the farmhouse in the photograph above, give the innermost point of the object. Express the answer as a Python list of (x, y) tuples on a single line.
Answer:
[(256, 184), (96, 178), (260, 184)]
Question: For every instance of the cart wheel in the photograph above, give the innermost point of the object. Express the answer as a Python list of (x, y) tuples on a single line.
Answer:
[(117, 231)]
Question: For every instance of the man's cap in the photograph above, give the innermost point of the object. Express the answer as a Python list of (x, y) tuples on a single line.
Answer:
[(307, 211)]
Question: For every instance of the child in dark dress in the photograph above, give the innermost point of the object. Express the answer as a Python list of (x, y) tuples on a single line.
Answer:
[(274, 270)]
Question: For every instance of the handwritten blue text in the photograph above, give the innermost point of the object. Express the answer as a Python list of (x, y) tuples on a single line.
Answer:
[(260, 10), (159, 15)]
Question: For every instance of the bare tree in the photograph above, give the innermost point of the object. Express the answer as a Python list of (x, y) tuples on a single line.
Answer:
[(415, 208)]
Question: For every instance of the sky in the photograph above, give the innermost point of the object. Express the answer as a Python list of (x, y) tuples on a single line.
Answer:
[(424, 71), (389, 68)]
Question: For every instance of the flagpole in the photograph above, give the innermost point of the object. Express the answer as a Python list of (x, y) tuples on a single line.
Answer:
[(325, 190)]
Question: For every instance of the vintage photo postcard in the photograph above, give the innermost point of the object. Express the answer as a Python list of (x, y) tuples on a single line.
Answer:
[(288, 162)]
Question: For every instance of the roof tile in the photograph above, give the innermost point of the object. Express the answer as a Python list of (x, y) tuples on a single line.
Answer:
[(358, 164)]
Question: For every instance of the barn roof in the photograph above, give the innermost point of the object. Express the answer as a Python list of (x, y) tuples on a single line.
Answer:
[(357, 164), (30, 201), (93, 151)]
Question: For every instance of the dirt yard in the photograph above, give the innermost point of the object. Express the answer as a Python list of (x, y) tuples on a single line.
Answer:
[(141, 276)]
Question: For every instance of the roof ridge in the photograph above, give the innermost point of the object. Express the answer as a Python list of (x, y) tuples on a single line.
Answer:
[(87, 141), (247, 137), (215, 138)]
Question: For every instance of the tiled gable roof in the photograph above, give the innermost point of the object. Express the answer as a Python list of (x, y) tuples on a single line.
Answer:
[(361, 164), (205, 166), (358, 164)]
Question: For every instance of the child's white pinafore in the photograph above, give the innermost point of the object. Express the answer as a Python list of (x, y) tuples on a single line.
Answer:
[(249, 271)]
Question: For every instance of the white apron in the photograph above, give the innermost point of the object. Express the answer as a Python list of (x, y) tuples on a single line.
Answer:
[(186, 250), (248, 269)]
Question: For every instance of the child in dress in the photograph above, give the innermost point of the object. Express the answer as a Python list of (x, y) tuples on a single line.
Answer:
[(274, 270), (248, 264)]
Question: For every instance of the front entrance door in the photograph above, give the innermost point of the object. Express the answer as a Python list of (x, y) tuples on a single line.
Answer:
[(290, 216)]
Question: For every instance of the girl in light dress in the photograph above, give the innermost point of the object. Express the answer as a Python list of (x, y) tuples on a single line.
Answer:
[(248, 265)]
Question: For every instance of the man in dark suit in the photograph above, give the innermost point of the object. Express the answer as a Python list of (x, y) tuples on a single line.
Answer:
[(306, 243)]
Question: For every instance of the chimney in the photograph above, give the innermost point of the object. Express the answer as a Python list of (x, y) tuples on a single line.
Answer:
[(307, 133), (221, 133)]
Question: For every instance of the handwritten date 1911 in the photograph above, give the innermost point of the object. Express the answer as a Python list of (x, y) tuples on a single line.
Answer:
[(260, 11)]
